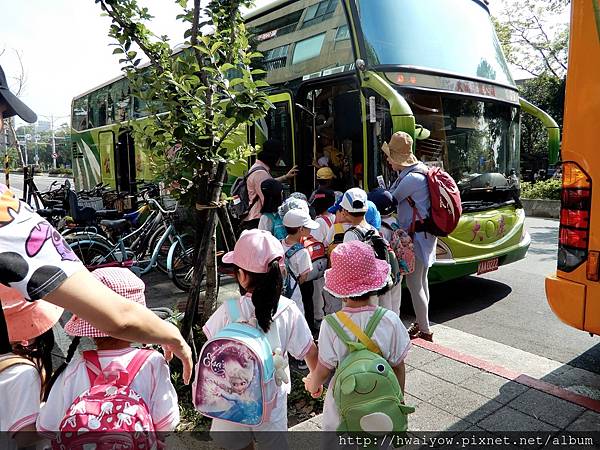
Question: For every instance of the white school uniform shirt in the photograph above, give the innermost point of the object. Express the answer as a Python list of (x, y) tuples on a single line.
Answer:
[(20, 388), (298, 264), (152, 383), (294, 335), (390, 335), (322, 233), (387, 231)]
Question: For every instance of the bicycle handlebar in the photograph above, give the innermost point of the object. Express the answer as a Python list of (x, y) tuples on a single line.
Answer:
[(160, 208)]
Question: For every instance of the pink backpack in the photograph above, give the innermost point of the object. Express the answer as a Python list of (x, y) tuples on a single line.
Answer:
[(110, 414), (446, 205)]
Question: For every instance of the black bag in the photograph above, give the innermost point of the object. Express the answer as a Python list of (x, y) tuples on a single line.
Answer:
[(240, 206)]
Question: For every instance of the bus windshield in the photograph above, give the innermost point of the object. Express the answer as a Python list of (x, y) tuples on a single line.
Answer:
[(455, 36), (476, 141)]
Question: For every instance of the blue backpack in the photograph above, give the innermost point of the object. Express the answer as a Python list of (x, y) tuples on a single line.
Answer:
[(290, 282), (277, 227), (236, 373)]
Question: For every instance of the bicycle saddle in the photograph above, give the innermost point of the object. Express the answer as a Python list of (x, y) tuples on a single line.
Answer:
[(115, 226)]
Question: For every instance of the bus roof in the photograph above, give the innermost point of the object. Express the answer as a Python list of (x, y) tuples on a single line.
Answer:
[(277, 4)]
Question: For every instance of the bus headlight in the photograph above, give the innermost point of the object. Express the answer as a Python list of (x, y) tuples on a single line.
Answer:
[(442, 251)]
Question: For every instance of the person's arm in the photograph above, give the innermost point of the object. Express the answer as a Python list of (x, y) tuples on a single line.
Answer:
[(400, 372), (291, 174), (312, 357), (89, 299)]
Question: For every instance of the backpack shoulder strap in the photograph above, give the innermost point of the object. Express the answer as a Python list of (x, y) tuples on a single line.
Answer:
[(357, 232), (374, 321), (337, 328), (15, 361), (256, 169), (137, 362), (293, 250), (92, 364), (327, 221), (360, 334), (233, 309), (338, 228)]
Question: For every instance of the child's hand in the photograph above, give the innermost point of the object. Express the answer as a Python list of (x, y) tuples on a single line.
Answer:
[(314, 390)]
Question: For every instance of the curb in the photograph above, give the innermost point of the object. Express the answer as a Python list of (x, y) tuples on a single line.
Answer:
[(512, 375)]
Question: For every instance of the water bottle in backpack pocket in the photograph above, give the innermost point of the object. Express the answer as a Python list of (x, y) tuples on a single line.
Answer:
[(365, 388), (111, 407), (236, 376)]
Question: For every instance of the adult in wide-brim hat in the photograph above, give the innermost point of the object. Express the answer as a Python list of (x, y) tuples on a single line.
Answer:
[(399, 150), (10, 105)]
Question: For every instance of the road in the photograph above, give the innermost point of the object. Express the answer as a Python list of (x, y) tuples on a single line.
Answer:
[(42, 182)]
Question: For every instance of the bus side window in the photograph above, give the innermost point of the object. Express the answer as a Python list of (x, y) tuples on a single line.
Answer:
[(279, 126)]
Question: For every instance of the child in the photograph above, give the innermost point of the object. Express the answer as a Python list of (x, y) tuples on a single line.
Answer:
[(257, 257), (325, 177), (355, 275), (270, 220), (386, 206), (323, 199), (24, 372), (351, 212), (298, 226), (152, 382)]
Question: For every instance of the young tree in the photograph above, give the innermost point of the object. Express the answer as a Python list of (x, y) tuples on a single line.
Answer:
[(532, 37), (209, 93)]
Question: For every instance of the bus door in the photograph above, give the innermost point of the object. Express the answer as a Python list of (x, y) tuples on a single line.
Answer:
[(331, 134), (125, 163), (106, 147), (279, 124)]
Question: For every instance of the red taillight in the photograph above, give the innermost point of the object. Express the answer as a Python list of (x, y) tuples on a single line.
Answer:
[(574, 217), (573, 238)]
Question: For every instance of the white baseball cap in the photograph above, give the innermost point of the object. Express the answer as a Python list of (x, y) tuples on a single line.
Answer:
[(355, 200), (296, 218)]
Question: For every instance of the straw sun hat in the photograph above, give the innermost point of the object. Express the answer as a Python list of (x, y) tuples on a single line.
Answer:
[(399, 149)]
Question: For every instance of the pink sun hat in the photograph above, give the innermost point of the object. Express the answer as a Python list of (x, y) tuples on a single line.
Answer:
[(254, 251), (355, 271), (120, 280), (27, 320)]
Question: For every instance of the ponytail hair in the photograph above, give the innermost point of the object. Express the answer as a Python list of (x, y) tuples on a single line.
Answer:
[(61, 368), (40, 353), (266, 290)]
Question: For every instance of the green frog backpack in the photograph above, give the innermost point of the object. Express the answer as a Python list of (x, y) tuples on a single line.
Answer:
[(366, 390)]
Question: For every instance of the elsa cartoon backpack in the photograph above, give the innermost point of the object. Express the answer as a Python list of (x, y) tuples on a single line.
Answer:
[(239, 370), (110, 407), (366, 390)]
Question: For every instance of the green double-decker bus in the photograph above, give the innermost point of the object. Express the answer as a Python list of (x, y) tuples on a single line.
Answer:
[(344, 75)]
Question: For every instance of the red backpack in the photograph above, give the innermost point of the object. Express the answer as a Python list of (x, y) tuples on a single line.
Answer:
[(446, 205), (110, 414)]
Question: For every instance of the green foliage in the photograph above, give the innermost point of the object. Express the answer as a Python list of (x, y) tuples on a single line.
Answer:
[(207, 89), (60, 171), (548, 93), (546, 189), (531, 37)]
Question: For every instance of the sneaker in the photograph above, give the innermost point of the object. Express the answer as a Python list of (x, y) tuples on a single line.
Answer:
[(302, 365), (425, 336), (413, 330)]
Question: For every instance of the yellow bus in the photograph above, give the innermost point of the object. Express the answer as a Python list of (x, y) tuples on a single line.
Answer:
[(573, 292)]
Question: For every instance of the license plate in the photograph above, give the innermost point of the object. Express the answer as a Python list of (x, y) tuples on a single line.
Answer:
[(487, 266)]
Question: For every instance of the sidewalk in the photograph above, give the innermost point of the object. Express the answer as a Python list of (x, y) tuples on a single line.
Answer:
[(453, 392)]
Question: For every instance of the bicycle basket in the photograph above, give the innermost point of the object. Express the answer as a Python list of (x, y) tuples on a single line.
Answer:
[(95, 203)]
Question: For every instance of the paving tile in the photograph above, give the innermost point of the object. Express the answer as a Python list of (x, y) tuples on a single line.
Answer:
[(423, 385), (550, 409), (579, 381), (463, 403), (494, 387), (411, 400), (588, 421), (509, 419), (427, 417), (450, 370), (418, 357)]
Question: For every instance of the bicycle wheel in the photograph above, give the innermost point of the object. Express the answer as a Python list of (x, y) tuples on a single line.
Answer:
[(181, 265), (92, 253)]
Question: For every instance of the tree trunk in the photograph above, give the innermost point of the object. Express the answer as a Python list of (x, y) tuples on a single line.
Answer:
[(205, 228), (211, 293), (226, 228)]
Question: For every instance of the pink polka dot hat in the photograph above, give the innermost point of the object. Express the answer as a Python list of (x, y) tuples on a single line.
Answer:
[(355, 271)]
